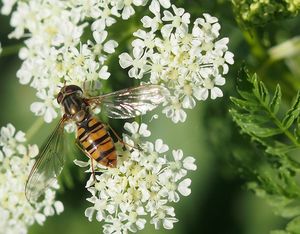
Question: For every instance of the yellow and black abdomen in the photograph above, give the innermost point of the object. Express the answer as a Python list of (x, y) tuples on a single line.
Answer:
[(96, 141)]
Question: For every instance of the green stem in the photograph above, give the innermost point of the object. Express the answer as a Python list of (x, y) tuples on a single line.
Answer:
[(34, 128), (11, 50), (285, 131), (255, 43)]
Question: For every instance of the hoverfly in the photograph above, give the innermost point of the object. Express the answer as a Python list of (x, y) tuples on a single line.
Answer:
[(91, 135)]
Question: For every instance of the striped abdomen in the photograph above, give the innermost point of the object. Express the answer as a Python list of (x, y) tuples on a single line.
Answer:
[(96, 141)]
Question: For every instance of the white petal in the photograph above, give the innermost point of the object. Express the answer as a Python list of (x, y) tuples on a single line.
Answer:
[(109, 47), (40, 218), (81, 163), (166, 30), (220, 80), (160, 147), (182, 115), (229, 57), (177, 154), (38, 108), (131, 127), (140, 223), (127, 12), (33, 150), (189, 163), (147, 21), (137, 52), (89, 213), (154, 6), (50, 114), (133, 73), (165, 3), (125, 60), (103, 73), (188, 102), (20, 136), (59, 207), (168, 223), (216, 92), (144, 131), (167, 16), (183, 187), (100, 36), (201, 93)]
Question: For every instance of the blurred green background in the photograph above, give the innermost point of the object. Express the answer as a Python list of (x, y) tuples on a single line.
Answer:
[(219, 203)]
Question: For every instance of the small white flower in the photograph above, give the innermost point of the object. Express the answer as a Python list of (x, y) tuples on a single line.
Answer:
[(127, 8), (137, 130), (7, 6), (179, 21), (175, 111), (46, 108), (154, 22), (189, 64), (16, 212), (138, 63), (11, 141), (164, 215), (209, 84), (141, 187)]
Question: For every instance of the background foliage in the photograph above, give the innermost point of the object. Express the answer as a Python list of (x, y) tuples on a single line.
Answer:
[(254, 147)]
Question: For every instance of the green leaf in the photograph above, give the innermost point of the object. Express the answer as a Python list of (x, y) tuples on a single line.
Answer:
[(275, 103), (294, 226), (282, 149), (292, 113), (297, 131), (242, 103), (256, 110), (276, 170)]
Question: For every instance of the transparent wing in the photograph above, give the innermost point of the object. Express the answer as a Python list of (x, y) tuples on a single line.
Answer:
[(128, 103), (48, 165)]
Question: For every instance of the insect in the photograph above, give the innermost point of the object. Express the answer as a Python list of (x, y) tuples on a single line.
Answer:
[(91, 134)]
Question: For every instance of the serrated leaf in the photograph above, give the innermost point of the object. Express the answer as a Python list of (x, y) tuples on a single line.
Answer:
[(265, 132), (264, 93), (292, 113), (275, 103), (248, 118), (248, 96), (261, 91), (243, 104), (280, 149), (255, 112)]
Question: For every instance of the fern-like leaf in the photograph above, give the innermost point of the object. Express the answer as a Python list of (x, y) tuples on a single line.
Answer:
[(276, 128), (256, 112)]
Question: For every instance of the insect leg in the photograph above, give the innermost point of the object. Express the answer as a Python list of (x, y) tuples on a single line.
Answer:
[(86, 153), (118, 137)]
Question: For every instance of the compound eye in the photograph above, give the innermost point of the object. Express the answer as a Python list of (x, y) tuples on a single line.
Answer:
[(72, 89), (59, 97)]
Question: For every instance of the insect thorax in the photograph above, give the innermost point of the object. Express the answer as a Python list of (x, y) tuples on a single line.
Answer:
[(75, 107)]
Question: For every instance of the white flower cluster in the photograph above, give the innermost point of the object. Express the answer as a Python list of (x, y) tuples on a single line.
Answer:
[(146, 180), (188, 59), (54, 53), (16, 161)]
